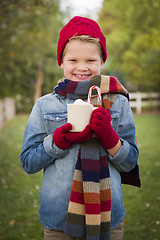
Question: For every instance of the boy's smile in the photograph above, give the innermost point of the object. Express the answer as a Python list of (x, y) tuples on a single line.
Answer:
[(81, 61)]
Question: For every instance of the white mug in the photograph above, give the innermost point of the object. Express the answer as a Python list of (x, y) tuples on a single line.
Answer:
[(79, 116)]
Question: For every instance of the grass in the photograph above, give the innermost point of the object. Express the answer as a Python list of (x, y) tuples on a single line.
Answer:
[(19, 192), (143, 205)]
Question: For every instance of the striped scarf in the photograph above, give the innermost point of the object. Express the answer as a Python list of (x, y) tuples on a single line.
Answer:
[(89, 210)]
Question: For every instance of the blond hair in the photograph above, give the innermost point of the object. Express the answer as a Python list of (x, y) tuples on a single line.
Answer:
[(86, 38)]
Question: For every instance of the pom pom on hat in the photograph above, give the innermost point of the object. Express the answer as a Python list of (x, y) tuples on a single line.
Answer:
[(80, 26)]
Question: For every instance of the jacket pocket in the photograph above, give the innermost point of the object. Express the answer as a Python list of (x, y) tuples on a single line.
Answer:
[(54, 120)]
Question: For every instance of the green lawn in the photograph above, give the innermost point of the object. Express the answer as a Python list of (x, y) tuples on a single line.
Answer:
[(19, 192), (143, 205)]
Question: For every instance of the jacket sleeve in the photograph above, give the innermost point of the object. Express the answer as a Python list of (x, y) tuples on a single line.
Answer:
[(37, 150), (127, 156)]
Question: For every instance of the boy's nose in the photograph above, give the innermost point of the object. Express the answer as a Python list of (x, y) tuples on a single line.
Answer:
[(82, 67)]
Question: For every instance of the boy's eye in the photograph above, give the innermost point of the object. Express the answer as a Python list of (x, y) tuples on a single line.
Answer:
[(72, 60), (91, 60)]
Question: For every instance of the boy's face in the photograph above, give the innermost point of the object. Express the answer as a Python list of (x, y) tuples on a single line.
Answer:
[(81, 61)]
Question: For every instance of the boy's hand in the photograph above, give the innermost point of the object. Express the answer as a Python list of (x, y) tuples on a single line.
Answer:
[(59, 136), (101, 125), (78, 137), (64, 139)]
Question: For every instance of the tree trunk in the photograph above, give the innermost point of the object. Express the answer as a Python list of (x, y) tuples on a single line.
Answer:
[(39, 82)]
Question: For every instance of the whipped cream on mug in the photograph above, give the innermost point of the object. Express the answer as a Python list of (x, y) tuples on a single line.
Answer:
[(80, 101)]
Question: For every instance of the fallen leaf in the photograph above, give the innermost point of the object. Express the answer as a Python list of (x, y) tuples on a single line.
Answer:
[(4, 183), (12, 222), (37, 187), (30, 192)]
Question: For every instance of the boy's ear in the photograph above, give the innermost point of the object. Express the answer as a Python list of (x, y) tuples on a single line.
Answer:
[(62, 66), (102, 64)]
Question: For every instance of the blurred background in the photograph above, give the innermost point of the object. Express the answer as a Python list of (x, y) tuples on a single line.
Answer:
[(29, 31)]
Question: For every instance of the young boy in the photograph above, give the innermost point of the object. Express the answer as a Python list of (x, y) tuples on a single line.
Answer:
[(48, 143)]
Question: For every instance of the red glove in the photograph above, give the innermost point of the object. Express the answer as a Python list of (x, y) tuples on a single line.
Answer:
[(101, 125), (78, 137), (65, 139), (59, 136)]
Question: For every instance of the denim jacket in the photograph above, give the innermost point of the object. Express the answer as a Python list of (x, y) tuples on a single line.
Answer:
[(39, 152)]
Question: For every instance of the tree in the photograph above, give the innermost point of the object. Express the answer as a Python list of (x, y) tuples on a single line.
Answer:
[(132, 29), (29, 32)]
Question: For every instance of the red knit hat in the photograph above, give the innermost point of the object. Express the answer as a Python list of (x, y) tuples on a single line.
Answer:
[(80, 26)]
